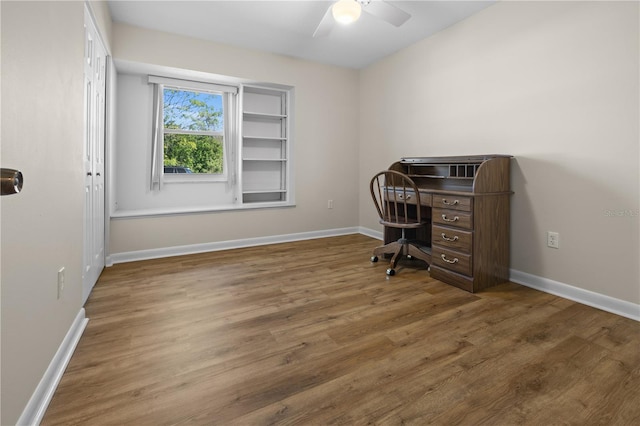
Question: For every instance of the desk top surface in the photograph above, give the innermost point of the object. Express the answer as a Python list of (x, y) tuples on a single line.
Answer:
[(452, 159)]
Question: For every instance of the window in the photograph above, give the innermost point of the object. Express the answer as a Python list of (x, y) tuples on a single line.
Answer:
[(193, 132)]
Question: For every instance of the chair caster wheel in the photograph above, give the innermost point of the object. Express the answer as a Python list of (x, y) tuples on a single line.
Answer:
[(374, 259), (391, 272)]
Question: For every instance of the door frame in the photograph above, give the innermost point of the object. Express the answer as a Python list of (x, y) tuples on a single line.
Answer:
[(107, 130)]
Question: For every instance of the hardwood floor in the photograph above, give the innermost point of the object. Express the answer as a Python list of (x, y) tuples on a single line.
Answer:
[(312, 333)]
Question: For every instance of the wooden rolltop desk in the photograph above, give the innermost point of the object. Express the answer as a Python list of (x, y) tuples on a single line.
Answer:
[(467, 200)]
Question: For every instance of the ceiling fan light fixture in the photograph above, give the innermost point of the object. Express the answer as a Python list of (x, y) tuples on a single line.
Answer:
[(346, 11)]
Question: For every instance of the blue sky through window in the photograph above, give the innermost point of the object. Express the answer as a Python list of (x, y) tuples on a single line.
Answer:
[(190, 110)]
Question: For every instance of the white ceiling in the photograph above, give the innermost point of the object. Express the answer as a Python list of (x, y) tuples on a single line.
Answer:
[(286, 27)]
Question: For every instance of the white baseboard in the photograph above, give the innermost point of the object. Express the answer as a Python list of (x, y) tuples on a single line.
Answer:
[(133, 256), (370, 233), (37, 405), (586, 297)]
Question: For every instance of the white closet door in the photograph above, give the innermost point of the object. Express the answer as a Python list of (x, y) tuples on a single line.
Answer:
[(94, 148)]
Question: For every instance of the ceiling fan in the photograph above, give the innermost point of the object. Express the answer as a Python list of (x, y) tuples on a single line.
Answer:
[(347, 11)]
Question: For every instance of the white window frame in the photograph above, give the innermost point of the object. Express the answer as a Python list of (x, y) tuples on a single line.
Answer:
[(198, 177), (230, 138)]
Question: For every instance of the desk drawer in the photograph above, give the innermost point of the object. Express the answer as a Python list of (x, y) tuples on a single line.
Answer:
[(452, 238), (452, 218), (453, 202), (410, 196), (451, 260), (461, 281)]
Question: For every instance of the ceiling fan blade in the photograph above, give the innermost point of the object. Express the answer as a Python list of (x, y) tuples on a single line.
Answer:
[(387, 12), (325, 25)]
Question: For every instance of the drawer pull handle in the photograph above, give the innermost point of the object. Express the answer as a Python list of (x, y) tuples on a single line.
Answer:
[(444, 237), (454, 203), (455, 259), (446, 219)]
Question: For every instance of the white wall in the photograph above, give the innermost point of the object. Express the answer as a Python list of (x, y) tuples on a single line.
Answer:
[(325, 143), (555, 84), (42, 135)]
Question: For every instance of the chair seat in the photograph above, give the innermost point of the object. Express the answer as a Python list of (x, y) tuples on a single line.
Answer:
[(410, 225)]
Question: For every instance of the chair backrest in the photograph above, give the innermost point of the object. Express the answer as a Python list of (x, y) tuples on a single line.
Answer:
[(397, 199)]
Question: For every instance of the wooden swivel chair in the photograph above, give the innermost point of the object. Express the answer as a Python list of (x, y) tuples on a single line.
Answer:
[(397, 201)]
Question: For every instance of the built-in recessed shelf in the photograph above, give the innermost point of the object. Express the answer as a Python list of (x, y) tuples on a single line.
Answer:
[(266, 138), (264, 196), (264, 159), (262, 116), (265, 145)]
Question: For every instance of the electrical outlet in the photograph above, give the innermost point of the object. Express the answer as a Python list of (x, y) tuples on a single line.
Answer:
[(330, 204), (60, 282), (553, 239)]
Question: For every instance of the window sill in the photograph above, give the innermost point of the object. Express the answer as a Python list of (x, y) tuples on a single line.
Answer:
[(126, 214), (172, 178)]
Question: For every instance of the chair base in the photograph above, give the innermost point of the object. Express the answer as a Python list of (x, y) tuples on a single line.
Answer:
[(400, 248)]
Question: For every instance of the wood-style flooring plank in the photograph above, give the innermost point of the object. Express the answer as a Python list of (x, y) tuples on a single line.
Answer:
[(313, 333)]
